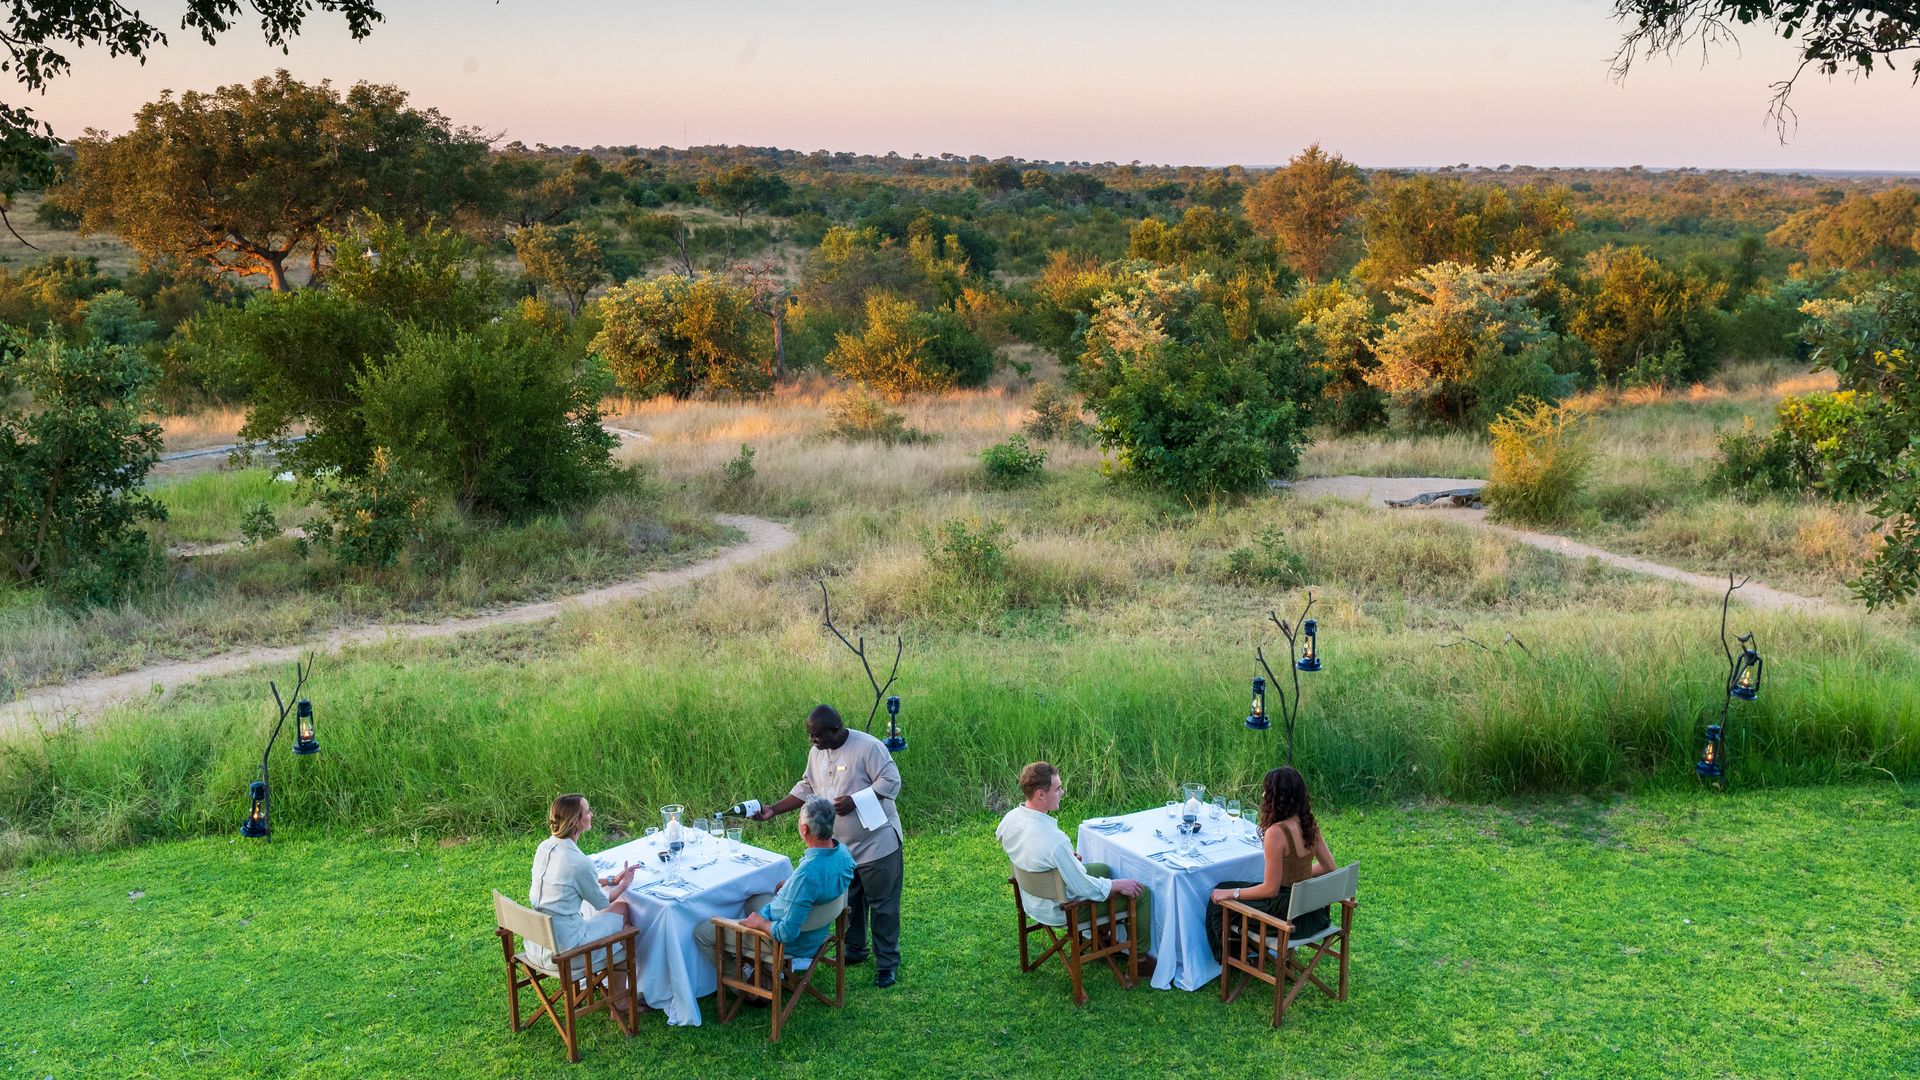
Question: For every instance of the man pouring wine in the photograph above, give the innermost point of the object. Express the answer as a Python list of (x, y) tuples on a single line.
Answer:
[(855, 770)]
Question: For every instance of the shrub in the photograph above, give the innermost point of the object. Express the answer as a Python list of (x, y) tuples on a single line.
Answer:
[(905, 349), (259, 525), (370, 520), (860, 417), (736, 476), (1749, 464), (1540, 458), (505, 419), (1056, 415), (1012, 463), (1267, 562), (969, 554), (1824, 434), (74, 453), (677, 336)]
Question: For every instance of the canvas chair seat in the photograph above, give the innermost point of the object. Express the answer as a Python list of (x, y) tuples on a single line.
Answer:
[(1253, 941), (776, 974), (590, 964), (1102, 937)]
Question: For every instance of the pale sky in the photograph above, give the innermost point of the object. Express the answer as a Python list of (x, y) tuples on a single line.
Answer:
[(1207, 82)]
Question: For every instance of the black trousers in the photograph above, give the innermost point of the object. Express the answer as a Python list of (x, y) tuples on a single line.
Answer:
[(875, 895)]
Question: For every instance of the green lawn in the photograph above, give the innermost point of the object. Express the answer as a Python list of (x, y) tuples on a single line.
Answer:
[(1672, 933)]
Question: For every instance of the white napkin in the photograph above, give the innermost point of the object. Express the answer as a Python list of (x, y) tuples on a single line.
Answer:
[(867, 805)]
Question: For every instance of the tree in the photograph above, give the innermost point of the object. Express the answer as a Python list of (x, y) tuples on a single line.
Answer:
[(1467, 342), (1410, 224), (1855, 36), (677, 336), (566, 260), (74, 455), (1306, 206), (1336, 334), (906, 349), (239, 180), (1184, 401), (530, 191), (996, 177), (1645, 323), (738, 189), (38, 31), (1878, 231)]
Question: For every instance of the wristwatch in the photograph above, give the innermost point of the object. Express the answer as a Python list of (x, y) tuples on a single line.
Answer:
[(1236, 894)]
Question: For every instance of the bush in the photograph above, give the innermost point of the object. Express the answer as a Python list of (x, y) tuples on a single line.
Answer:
[(74, 453), (1267, 562), (370, 520), (1012, 463), (1056, 415), (1818, 444), (860, 417), (676, 336), (259, 524), (1540, 458), (1750, 464), (969, 554), (905, 349), (736, 477), (505, 420)]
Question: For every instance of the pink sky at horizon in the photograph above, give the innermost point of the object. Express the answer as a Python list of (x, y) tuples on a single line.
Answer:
[(1385, 83)]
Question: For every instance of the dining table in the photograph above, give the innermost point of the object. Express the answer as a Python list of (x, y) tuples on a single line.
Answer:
[(1144, 846), (718, 877)]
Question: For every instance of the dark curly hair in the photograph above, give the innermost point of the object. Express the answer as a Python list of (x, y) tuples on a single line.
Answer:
[(1284, 795)]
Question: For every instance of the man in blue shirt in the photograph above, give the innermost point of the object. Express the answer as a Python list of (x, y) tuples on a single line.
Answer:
[(822, 875)]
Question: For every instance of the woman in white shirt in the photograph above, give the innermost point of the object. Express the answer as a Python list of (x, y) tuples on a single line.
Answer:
[(564, 883)]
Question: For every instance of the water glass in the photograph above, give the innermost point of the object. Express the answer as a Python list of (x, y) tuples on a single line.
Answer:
[(652, 831), (1214, 810), (1173, 809), (733, 841), (699, 828)]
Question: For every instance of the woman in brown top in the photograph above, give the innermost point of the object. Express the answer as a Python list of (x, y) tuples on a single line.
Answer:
[(1295, 852)]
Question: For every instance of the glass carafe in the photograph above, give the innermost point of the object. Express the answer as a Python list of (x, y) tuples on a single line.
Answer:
[(1191, 798)]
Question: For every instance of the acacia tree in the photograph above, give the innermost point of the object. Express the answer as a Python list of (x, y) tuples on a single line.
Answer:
[(566, 260), (39, 31), (240, 180), (1854, 36), (1305, 207), (740, 188)]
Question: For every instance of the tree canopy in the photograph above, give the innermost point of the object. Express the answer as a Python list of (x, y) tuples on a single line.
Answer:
[(1305, 207), (239, 180)]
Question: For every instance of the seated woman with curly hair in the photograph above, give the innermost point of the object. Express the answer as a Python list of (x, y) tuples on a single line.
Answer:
[(1295, 850)]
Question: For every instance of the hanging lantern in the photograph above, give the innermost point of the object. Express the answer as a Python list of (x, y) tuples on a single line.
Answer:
[(304, 742), (1257, 715), (1712, 765), (256, 823), (895, 741), (1310, 653), (1746, 672)]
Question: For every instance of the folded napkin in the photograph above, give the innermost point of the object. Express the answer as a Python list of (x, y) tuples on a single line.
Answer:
[(867, 805), (672, 892), (1106, 825)]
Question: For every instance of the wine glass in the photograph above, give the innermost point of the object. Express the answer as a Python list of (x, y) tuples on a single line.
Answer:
[(1215, 808), (699, 828), (1233, 813), (719, 827)]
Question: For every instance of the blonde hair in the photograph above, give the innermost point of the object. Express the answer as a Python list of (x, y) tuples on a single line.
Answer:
[(566, 816)]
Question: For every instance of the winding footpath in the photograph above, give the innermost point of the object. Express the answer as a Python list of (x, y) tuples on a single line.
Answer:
[(83, 699), (1376, 490)]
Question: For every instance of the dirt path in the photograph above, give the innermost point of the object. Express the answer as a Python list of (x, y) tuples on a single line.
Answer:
[(82, 699), (1376, 490)]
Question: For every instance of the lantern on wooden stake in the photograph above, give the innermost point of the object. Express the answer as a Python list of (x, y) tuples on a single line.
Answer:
[(1257, 715), (895, 742)]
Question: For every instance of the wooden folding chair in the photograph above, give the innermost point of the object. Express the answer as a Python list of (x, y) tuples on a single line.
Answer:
[(583, 973), (776, 975), (1251, 938), (1077, 946)]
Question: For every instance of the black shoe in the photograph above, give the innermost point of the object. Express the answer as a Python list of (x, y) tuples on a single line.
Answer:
[(856, 959), (884, 979)]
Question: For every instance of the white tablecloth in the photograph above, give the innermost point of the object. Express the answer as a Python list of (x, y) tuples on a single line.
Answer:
[(674, 974), (1181, 956)]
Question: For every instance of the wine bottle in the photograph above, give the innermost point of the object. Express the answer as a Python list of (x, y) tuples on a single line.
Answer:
[(743, 809)]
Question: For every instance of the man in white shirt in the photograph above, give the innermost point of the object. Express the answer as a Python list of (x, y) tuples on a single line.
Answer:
[(1035, 842)]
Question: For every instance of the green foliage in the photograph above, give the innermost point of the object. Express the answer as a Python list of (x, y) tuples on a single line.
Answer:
[(861, 417), (1191, 396), (1750, 463), (114, 318), (505, 419), (1466, 343), (243, 179), (566, 260), (1336, 334), (1056, 414), (1868, 231), (370, 519), (737, 472), (74, 452), (1541, 456), (905, 349), (1414, 224), (52, 292), (740, 188), (1012, 463), (259, 524), (1768, 323), (1645, 324), (303, 354), (1305, 207), (1267, 563), (676, 337), (971, 554)]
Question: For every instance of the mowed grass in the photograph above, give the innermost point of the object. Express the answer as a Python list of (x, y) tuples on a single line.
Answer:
[(1675, 934)]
